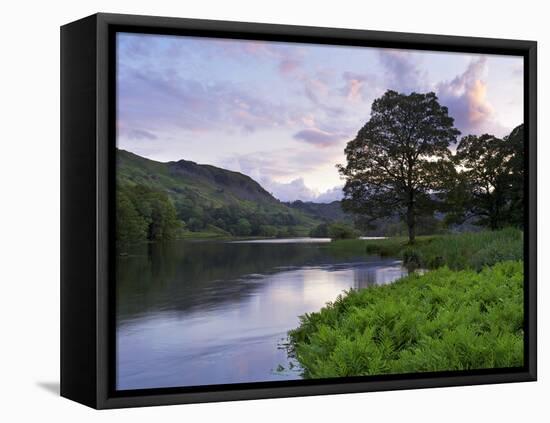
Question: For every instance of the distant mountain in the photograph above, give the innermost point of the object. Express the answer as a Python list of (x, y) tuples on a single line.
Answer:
[(208, 198), (327, 212)]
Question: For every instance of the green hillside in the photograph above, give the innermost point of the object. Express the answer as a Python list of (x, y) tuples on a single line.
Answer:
[(211, 201)]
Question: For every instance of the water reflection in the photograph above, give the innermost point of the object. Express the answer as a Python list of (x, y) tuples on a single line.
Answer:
[(284, 241), (215, 312)]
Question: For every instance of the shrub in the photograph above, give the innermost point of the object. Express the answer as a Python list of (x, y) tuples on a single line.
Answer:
[(469, 250), (412, 257), (496, 251), (320, 231), (473, 250), (341, 231)]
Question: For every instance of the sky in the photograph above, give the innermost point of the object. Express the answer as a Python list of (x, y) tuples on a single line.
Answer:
[(282, 113)]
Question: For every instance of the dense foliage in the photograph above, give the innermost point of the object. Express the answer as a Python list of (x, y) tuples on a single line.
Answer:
[(443, 320), (336, 230), (213, 201), (488, 186), (468, 250), (238, 220), (144, 214), (400, 165), (394, 162)]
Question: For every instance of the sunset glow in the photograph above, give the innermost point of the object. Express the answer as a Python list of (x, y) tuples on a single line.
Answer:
[(282, 113)]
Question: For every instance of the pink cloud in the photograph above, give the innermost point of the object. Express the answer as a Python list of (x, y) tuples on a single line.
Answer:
[(355, 83), (287, 59), (480, 110), (354, 93), (284, 163), (288, 66), (319, 137), (258, 48), (466, 98)]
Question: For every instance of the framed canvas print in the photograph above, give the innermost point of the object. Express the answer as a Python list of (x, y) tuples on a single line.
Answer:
[(255, 211)]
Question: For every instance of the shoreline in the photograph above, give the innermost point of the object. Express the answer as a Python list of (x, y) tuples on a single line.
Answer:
[(442, 320)]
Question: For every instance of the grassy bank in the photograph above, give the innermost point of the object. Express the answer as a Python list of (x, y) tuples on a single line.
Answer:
[(443, 320), (466, 314), (472, 250)]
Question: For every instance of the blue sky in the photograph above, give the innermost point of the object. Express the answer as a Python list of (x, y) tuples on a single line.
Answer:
[(282, 113)]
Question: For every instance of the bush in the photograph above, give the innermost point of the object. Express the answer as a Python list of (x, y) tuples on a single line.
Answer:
[(473, 250), (320, 231), (341, 231), (268, 231), (393, 246), (439, 321), (496, 251), (469, 250), (144, 214), (412, 257)]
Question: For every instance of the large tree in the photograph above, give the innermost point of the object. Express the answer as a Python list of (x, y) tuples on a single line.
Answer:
[(490, 173), (395, 161), (515, 143)]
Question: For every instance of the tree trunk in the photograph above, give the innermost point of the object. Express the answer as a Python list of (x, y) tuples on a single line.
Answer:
[(410, 204), (411, 223)]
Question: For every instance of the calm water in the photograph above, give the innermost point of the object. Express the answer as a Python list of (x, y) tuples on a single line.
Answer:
[(201, 313)]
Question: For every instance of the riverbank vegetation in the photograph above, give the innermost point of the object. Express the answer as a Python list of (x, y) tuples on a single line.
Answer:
[(144, 214), (442, 320), (334, 231), (466, 313), (468, 250)]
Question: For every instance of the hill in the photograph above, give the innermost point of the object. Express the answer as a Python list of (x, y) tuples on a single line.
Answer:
[(211, 200), (327, 212)]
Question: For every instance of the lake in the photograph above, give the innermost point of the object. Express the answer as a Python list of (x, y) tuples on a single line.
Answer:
[(214, 312)]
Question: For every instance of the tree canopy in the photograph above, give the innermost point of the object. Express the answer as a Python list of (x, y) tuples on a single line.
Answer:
[(394, 162), (144, 214), (489, 180)]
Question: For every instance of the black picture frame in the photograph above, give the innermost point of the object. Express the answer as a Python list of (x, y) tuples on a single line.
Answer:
[(87, 209)]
